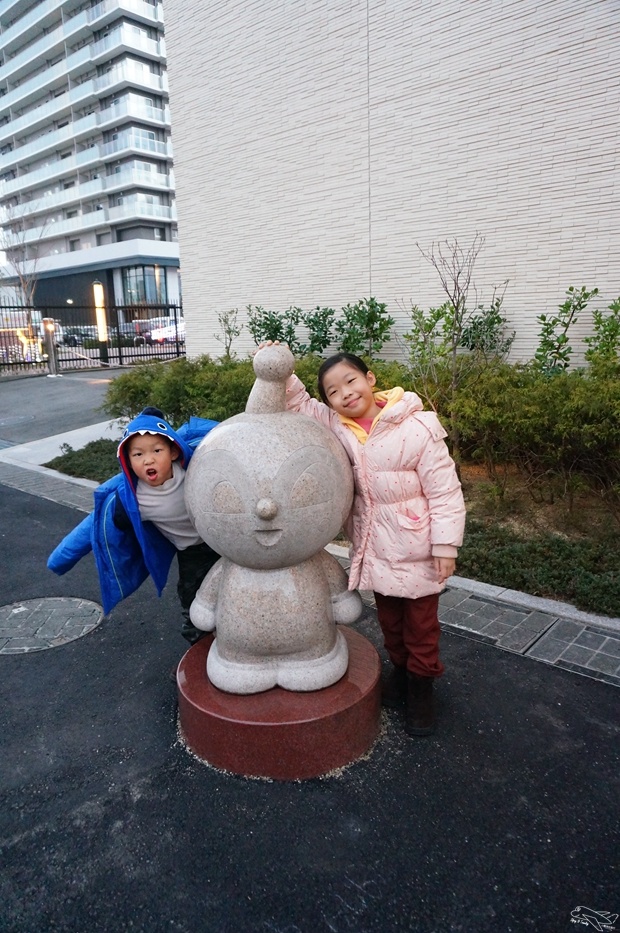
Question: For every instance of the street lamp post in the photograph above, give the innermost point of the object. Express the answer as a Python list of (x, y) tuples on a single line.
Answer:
[(102, 324), (49, 326)]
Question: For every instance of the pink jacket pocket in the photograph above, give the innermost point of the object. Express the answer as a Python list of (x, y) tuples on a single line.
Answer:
[(412, 521)]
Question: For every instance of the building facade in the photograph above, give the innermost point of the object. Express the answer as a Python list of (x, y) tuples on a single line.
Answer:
[(323, 146), (86, 169)]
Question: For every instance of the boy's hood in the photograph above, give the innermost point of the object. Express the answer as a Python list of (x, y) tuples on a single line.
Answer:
[(148, 423)]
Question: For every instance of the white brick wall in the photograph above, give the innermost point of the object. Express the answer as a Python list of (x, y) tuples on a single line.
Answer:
[(317, 142)]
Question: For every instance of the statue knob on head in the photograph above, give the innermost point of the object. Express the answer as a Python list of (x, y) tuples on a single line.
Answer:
[(272, 367), (268, 489)]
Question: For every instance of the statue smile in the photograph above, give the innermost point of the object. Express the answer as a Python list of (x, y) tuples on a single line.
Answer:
[(268, 536)]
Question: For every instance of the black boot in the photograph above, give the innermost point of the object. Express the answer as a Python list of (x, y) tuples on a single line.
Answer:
[(394, 688), (420, 713)]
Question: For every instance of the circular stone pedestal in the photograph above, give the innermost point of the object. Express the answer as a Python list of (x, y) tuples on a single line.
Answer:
[(280, 734)]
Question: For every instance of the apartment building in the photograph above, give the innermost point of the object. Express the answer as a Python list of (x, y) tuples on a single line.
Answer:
[(86, 176)]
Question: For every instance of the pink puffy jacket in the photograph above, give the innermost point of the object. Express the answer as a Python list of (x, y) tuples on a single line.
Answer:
[(408, 505)]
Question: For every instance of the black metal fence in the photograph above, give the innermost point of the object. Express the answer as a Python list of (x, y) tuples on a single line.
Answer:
[(86, 338)]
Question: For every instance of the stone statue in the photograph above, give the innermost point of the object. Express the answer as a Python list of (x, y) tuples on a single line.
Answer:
[(268, 489)]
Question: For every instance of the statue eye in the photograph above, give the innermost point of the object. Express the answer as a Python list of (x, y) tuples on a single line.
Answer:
[(227, 499), (308, 490)]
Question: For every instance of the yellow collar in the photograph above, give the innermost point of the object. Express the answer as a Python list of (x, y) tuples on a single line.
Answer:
[(390, 397)]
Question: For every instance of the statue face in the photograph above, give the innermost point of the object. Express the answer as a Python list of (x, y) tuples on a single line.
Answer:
[(267, 498)]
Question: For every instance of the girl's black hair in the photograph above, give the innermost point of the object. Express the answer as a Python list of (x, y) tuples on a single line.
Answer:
[(331, 361)]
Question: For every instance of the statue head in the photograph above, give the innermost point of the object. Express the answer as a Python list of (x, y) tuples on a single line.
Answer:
[(269, 488)]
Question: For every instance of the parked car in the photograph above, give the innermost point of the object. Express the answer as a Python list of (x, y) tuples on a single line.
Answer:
[(78, 336), (157, 330), (171, 332)]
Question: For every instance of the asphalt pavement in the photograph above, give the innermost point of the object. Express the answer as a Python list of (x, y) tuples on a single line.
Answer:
[(505, 819)]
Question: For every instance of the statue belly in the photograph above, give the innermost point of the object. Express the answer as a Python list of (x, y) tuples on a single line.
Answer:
[(274, 613)]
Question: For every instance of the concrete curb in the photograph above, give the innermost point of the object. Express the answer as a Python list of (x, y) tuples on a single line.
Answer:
[(514, 598)]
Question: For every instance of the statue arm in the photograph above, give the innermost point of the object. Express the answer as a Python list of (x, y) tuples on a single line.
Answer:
[(202, 609), (299, 399), (346, 604)]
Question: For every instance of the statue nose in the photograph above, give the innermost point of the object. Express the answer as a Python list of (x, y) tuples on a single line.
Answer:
[(266, 508)]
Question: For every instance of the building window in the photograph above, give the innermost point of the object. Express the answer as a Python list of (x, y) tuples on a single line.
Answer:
[(144, 283), (74, 246)]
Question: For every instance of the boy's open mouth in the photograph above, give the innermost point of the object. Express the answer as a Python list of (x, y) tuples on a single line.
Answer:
[(151, 474)]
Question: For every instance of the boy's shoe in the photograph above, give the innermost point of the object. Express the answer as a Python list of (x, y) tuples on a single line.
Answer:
[(420, 712), (394, 688)]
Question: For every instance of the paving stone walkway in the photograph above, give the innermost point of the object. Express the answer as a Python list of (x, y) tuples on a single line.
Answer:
[(575, 646)]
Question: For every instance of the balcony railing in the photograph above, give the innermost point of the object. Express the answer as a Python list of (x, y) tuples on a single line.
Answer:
[(142, 10), (130, 106), (129, 142), (126, 72), (98, 187), (121, 37), (134, 211)]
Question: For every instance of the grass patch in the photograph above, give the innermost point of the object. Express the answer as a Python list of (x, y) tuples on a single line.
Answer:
[(96, 461), (505, 544), (580, 571)]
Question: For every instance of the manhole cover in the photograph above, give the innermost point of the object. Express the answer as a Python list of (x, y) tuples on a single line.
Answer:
[(36, 624)]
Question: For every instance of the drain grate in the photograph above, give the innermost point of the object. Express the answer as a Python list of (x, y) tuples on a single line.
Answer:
[(37, 624)]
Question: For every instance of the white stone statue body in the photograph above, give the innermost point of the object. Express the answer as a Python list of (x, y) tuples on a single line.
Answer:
[(268, 490)]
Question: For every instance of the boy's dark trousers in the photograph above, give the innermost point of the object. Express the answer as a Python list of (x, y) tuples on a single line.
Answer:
[(194, 564)]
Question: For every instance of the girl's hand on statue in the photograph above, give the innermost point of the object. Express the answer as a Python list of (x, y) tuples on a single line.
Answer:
[(267, 343), (445, 567)]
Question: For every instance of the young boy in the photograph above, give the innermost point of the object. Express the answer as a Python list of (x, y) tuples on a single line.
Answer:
[(140, 522)]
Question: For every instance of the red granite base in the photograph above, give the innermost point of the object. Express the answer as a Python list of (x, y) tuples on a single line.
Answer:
[(280, 734)]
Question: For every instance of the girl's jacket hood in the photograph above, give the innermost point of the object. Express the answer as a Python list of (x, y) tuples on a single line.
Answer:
[(125, 557)]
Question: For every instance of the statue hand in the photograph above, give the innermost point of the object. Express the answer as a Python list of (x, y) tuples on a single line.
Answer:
[(202, 615), (347, 607)]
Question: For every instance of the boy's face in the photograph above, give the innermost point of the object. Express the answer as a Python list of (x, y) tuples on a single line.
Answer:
[(151, 456)]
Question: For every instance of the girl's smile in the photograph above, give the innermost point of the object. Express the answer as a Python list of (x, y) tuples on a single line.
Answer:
[(349, 391)]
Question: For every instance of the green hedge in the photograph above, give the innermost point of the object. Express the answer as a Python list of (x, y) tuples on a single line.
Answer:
[(561, 431), (583, 573)]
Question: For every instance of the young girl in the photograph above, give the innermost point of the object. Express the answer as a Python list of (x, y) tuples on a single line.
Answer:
[(407, 520)]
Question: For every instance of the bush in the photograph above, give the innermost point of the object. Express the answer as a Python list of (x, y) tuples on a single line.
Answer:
[(182, 388), (562, 431), (96, 461), (364, 327), (584, 573)]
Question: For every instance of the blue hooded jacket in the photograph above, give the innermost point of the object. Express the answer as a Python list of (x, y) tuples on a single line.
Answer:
[(126, 552)]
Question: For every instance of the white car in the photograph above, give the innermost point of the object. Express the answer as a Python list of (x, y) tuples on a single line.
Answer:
[(168, 333)]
